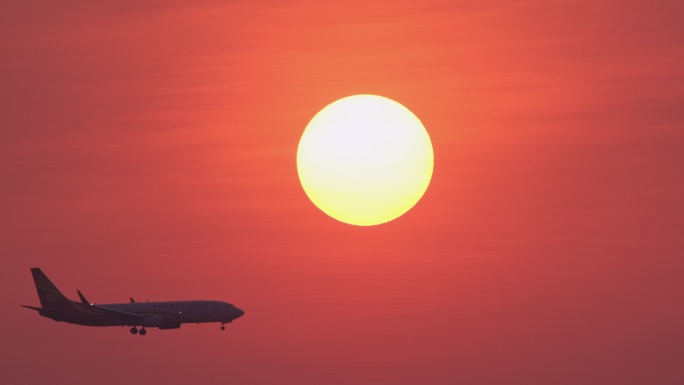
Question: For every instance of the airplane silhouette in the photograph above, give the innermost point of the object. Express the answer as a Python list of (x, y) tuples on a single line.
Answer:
[(162, 315)]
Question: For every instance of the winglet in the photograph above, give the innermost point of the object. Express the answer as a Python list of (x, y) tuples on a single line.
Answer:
[(83, 298), (132, 300)]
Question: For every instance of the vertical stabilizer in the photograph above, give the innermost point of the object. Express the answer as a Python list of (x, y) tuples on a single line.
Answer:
[(48, 293)]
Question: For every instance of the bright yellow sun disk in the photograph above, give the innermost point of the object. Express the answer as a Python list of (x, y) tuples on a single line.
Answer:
[(365, 160)]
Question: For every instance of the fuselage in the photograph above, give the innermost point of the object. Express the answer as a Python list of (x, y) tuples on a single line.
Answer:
[(154, 314), (185, 311)]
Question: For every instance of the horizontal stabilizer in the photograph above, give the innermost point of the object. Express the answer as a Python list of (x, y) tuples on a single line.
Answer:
[(32, 307)]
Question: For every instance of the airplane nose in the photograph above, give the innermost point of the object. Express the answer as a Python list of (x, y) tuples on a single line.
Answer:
[(239, 313)]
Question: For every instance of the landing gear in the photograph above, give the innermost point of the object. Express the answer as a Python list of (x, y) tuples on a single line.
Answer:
[(134, 330), (223, 327), (143, 331)]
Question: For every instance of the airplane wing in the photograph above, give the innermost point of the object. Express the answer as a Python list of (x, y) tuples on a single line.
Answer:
[(130, 318)]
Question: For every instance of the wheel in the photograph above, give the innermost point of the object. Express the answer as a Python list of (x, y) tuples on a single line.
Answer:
[(223, 327), (134, 330), (143, 331)]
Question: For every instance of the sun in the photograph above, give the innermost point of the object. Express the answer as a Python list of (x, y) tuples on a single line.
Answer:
[(365, 160)]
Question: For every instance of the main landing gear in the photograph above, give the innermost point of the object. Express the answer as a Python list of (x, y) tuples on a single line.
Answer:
[(134, 330)]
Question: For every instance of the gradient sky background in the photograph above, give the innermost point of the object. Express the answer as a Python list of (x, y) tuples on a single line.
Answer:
[(147, 149)]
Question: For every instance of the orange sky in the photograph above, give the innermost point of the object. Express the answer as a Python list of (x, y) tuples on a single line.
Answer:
[(148, 150)]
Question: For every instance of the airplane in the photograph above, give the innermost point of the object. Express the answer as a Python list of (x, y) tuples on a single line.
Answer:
[(162, 315)]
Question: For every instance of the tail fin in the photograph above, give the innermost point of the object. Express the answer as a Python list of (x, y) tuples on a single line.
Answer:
[(48, 293)]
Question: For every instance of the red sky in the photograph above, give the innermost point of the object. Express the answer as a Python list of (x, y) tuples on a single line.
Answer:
[(148, 150)]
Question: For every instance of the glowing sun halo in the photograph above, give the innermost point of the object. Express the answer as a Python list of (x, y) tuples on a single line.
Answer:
[(365, 160)]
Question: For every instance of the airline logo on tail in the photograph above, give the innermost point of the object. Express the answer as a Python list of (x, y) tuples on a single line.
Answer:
[(48, 293)]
